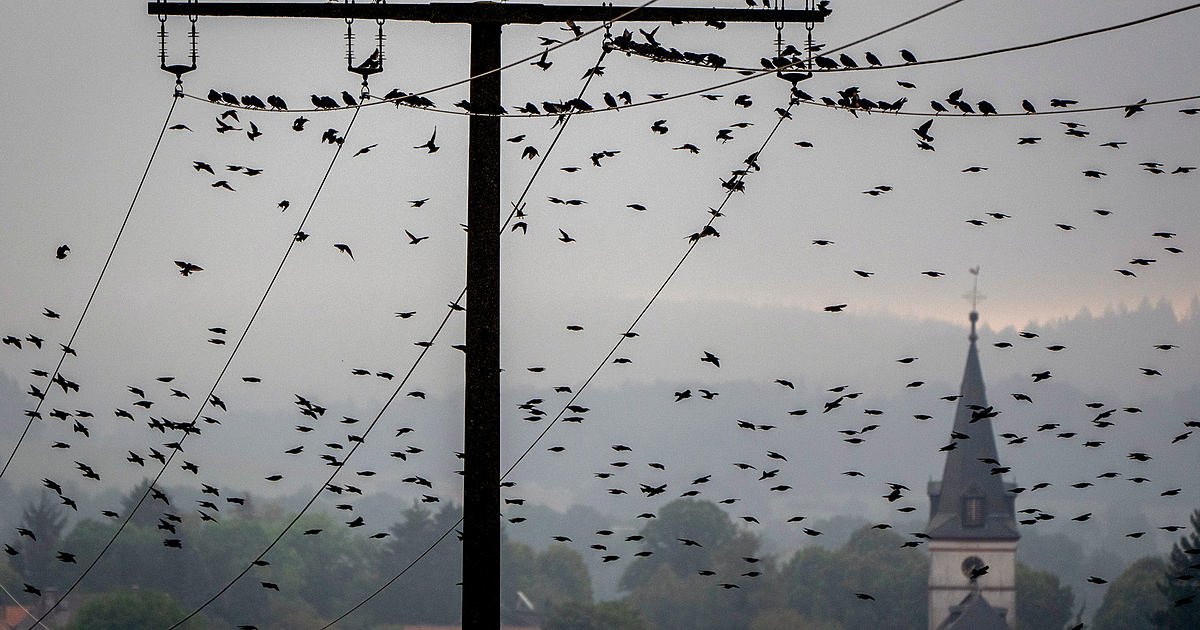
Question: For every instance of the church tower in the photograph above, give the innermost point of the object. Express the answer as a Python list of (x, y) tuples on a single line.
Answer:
[(972, 517)]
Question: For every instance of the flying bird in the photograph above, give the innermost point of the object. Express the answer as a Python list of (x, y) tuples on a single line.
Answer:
[(430, 146), (187, 268)]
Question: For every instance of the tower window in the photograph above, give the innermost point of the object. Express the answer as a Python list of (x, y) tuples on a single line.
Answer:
[(973, 512)]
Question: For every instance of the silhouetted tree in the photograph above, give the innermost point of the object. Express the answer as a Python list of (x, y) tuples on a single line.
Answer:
[(429, 593), (576, 615), (682, 519), (1042, 603), (35, 560), (822, 584), (141, 609), (146, 514), (1181, 585), (550, 577), (1133, 597)]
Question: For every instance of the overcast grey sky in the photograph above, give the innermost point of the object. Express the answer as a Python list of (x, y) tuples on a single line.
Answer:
[(85, 101)]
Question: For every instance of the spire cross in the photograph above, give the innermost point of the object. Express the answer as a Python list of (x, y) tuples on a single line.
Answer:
[(975, 297)]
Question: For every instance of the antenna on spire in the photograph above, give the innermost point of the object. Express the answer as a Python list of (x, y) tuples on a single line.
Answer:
[(974, 286)]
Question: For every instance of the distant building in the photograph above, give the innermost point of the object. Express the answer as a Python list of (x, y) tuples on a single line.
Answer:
[(23, 618), (972, 520)]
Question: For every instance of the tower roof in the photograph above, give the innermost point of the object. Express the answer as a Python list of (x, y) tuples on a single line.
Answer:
[(975, 613), (970, 501)]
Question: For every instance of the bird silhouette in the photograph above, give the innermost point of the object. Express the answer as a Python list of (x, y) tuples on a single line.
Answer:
[(187, 268), (429, 145)]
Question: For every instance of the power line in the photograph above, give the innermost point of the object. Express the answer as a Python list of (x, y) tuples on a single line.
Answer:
[(28, 613), (389, 582), (925, 62), (387, 404), (1051, 112), (695, 241), (731, 189), (174, 99), (217, 381), (761, 72), (570, 402), (561, 128), (604, 26)]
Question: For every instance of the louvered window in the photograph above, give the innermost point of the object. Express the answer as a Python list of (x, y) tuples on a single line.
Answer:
[(973, 512)]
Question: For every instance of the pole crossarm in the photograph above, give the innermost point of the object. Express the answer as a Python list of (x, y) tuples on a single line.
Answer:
[(482, 12)]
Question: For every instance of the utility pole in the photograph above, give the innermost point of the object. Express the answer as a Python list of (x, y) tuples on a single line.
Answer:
[(481, 494)]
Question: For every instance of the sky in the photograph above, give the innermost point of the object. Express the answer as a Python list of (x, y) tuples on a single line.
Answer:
[(87, 101)]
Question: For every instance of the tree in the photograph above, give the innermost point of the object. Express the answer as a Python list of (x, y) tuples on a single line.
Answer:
[(144, 516), (690, 536), (789, 619), (696, 520), (822, 585), (1042, 604), (670, 601), (1182, 584), (132, 609), (35, 560), (1133, 597), (553, 576), (576, 615), (561, 576), (429, 593)]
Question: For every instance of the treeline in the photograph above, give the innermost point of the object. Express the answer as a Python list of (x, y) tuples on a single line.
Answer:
[(316, 572), (873, 581), (693, 569)]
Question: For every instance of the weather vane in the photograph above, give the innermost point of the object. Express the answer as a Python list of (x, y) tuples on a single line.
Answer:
[(974, 295)]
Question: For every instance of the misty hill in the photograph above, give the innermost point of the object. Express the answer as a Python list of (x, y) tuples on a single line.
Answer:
[(697, 437)]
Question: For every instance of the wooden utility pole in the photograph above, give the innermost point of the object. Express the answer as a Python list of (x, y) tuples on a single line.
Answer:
[(481, 494)]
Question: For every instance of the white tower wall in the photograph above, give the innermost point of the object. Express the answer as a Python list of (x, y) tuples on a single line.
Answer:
[(948, 585)]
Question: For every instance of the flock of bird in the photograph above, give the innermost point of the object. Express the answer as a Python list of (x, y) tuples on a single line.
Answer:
[(770, 470)]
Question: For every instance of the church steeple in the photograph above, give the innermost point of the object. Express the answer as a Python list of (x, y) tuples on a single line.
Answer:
[(971, 501), (972, 514)]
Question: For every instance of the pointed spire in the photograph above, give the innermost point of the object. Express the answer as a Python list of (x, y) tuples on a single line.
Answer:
[(972, 499)]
